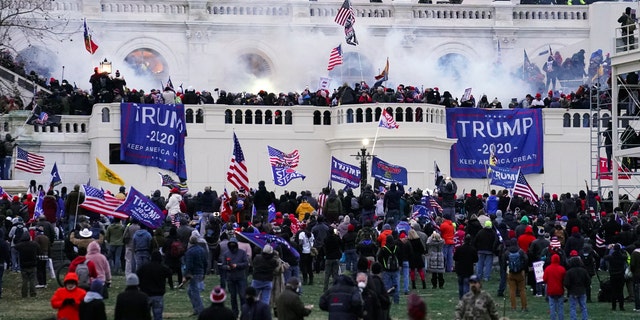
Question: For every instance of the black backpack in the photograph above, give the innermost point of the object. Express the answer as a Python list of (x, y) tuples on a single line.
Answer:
[(368, 201), (391, 263)]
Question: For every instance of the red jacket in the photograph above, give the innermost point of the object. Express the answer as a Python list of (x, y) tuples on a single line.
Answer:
[(525, 239), (68, 311), (447, 230), (554, 276), (382, 238), (93, 272)]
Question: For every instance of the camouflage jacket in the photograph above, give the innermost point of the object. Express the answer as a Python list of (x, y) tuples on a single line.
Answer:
[(476, 306)]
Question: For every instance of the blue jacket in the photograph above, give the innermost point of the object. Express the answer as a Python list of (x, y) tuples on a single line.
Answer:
[(195, 260)]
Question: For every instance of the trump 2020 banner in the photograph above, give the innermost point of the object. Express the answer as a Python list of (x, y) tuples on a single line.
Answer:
[(153, 135), (388, 172), (345, 173), (138, 206), (514, 137)]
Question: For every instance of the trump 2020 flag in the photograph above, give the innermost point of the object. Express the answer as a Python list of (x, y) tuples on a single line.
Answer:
[(138, 206), (386, 121), (55, 175), (38, 210), (388, 172), (504, 177), (272, 211), (345, 173)]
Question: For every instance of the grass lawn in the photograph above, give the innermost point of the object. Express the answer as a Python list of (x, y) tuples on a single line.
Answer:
[(440, 302)]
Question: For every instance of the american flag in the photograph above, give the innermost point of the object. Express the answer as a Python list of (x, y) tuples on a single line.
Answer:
[(386, 121), (98, 201), (42, 118), (278, 158), (335, 58), (522, 188), (29, 162), (237, 174), (345, 13), (168, 182)]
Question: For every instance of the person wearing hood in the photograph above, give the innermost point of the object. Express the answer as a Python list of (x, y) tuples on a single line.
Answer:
[(195, 266), (254, 308), (485, 243), (153, 278), (101, 263), (574, 242), (343, 300), (158, 199), (516, 260), (264, 265), (68, 298), (80, 259), (520, 229), (617, 261), (436, 260), (473, 226), (235, 263), (332, 207), (173, 204), (576, 281), (553, 277), (92, 305), (132, 303)]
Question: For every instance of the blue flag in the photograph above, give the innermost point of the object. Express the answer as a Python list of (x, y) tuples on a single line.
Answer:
[(153, 135), (388, 172), (283, 175), (261, 239), (504, 177), (272, 211), (138, 206), (55, 175), (38, 211), (345, 173)]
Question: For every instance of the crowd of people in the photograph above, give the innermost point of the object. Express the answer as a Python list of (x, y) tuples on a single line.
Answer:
[(106, 88), (371, 249)]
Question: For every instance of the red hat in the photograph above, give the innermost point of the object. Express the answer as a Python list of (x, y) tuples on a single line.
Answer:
[(603, 214), (550, 92), (16, 198), (351, 228), (573, 253), (461, 227), (435, 88), (538, 95), (575, 229), (402, 235), (555, 196)]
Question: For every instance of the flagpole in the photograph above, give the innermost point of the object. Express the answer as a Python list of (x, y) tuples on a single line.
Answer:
[(512, 188), (373, 148), (360, 64)]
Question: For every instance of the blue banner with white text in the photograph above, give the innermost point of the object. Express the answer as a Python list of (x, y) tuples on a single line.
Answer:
[(153, 135), (388, 172), (513, 137), (502, 176), (140, 207), (345, 173)]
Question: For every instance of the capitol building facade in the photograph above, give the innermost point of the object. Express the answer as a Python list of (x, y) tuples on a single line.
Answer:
[(282, 46)]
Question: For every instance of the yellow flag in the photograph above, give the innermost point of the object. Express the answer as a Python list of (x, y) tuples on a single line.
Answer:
[(106, 174)]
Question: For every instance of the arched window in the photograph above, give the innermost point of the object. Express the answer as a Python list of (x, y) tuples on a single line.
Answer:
[(238, 119), (248, 117), (200, 116), (326, 118), (106, 116), (576, 120), (409, 113), (278, 117), (349, 115), (359, 115), (585, 120), (418, 114), (288, 117), (189, 116), (228, 116), (316, 118), (399, 115), (566, 120), (258, 117), (368, 115), (268, 117)]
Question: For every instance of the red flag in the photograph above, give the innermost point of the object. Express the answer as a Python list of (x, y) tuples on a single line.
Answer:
[(88, 42), (605, 174), (225, 207)]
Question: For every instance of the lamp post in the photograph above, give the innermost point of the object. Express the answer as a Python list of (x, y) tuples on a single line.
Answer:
[(363, 156), (105, 66)]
